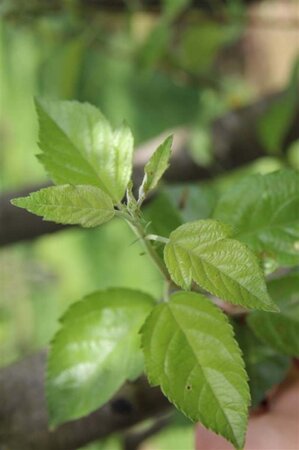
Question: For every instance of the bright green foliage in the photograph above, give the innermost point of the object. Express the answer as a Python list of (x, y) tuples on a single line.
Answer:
[(191, 353), (87, 206), (79, 147), (280, 331), (95, 351), (265, 367), (264, 211), (155, 167), (202, 251)]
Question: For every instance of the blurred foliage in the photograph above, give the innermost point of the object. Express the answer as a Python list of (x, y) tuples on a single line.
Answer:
[(265, 367), (274, 124)]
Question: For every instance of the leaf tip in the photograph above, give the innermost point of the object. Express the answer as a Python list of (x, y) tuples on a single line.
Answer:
[(273, 308), (19, 202)]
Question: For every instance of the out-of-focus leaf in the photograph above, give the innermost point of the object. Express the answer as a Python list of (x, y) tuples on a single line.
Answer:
[(174, 437), (171, 8), (274, 125), (280, 331), (162, 215), (155, 45), (265, 366), (201, 44), (264, 212), (176, 204), (192, 201)]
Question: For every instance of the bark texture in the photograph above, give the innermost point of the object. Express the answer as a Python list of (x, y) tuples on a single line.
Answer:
[(24, 419)]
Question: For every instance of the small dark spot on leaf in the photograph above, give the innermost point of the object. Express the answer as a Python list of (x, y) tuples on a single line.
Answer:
[(188, 387)]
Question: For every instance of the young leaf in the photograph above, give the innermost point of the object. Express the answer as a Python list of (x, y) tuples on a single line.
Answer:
[(132, 204), (155, 168), (87, 206), (95, 351), (265, 366), (191, 353), (79, 147), (203, 252), (280, 331), (264, 211)]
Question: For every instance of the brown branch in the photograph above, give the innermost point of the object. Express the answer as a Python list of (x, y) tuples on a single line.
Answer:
[(23, 412), (234, 141)]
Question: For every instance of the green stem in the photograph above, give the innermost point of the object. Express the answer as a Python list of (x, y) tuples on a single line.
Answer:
[(139, 231)]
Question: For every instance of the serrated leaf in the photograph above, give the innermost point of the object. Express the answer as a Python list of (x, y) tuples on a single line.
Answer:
[(79, 147), (264, 211), (95, 351), (265, 367), (155, 168), (87, 206), (191, 353), (202, 251), (280, 331)]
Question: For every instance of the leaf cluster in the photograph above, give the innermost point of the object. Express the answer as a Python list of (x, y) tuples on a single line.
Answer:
[(185, 342)]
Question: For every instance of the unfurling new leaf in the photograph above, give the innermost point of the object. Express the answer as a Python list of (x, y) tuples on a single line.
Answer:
[(87, 206), (203, 252), (155, 168), (96, 350), (191, 353)]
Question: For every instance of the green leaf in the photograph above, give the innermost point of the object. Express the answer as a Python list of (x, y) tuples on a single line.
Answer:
[(191, 353), (192, 201), (154, 48), (265, 366), (276, 121), (79, 147), (95, 351), (280, 331), (264, 211), (162, 215), (87, 206), (155, 167), (203, 252)]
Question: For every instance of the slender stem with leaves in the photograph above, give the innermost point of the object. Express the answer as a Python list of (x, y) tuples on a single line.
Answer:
[(186, 344)]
